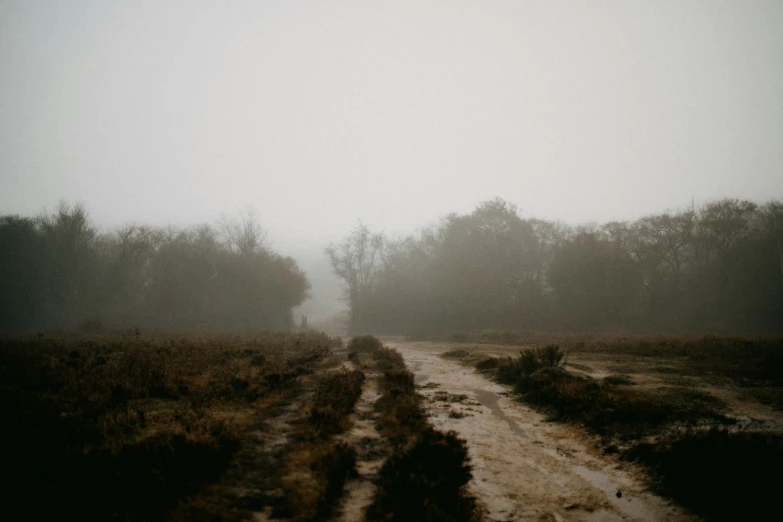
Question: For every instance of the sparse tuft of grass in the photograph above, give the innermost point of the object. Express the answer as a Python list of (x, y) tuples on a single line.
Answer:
[(530, 361), (455, 354)]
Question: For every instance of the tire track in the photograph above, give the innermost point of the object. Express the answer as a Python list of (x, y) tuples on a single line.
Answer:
[(371, 451), (523, 467)]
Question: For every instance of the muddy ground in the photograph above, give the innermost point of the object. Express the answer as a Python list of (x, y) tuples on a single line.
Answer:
[(526, 468)]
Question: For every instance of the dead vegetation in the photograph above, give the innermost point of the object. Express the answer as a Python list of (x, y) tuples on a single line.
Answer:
[(425, 477), (718, 474), (317, 466), (680, 433), (212, 428), (364, 344), (132, 425), (608, 407)]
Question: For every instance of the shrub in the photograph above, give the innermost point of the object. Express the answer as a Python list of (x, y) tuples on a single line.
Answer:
[(125, 426), (364, 343), (334, 400), (618, 379), (388, 359), (490, 363), (550, 356), (528, 362), (426, 482), (720, 475)]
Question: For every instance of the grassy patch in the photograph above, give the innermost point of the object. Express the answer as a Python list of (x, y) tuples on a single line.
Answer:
[(720, 475), (424, 478), (364, 343), (529, 361), (389, 359), (426, 482), (618, 379), (317, 472), (133, 425), (770, 396), (449, 397), (456, 354), (748, 361), (333, 401), (607, 407), (317, 466)]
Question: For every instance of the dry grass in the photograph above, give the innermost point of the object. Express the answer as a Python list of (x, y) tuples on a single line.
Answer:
[(333, 401), (677, 432), (316, 473), (607, 407), (426, 482), (720, 475), (364, 343), (425, 477), (317, 467), (749, 361), (131, 424), (456, 354)]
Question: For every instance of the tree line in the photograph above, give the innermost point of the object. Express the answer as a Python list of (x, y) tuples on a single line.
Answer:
[(57, 271), (718, 267)]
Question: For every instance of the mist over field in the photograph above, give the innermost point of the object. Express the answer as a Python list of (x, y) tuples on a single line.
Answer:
[(398, 261), (643, 137)]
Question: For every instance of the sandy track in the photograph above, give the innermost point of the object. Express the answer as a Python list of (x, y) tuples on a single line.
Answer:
[(525, 468), (371, 453)]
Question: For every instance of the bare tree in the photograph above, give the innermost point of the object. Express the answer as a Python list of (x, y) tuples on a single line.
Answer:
[(357, 261), (245, 234)]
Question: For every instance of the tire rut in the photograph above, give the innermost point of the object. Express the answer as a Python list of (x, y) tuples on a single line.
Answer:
[(371, 449), (523, 467)]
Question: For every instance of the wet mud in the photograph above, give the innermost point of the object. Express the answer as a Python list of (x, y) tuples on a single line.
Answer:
[(525, 468)]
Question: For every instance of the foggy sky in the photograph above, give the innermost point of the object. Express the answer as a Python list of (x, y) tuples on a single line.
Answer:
[(320, 113)]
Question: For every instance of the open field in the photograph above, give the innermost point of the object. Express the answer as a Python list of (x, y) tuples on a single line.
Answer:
[(299, 427), (137, 426), (275, 426), (692, 418)]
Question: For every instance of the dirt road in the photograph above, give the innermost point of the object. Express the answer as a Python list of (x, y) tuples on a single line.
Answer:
[(523, 467)]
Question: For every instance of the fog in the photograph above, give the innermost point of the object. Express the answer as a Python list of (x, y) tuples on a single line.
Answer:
[(396, 113)]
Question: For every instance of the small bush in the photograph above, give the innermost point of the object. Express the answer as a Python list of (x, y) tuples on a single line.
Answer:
[(364, 343), (388, 359), (426, 483), (550, 356), (400, 406), (490, 363), (455, 354), (618, 380), (336, 467), (334, 400), (717, 474), (528, 362)]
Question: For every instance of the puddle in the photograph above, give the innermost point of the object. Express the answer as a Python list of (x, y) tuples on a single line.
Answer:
[(490, 400)]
